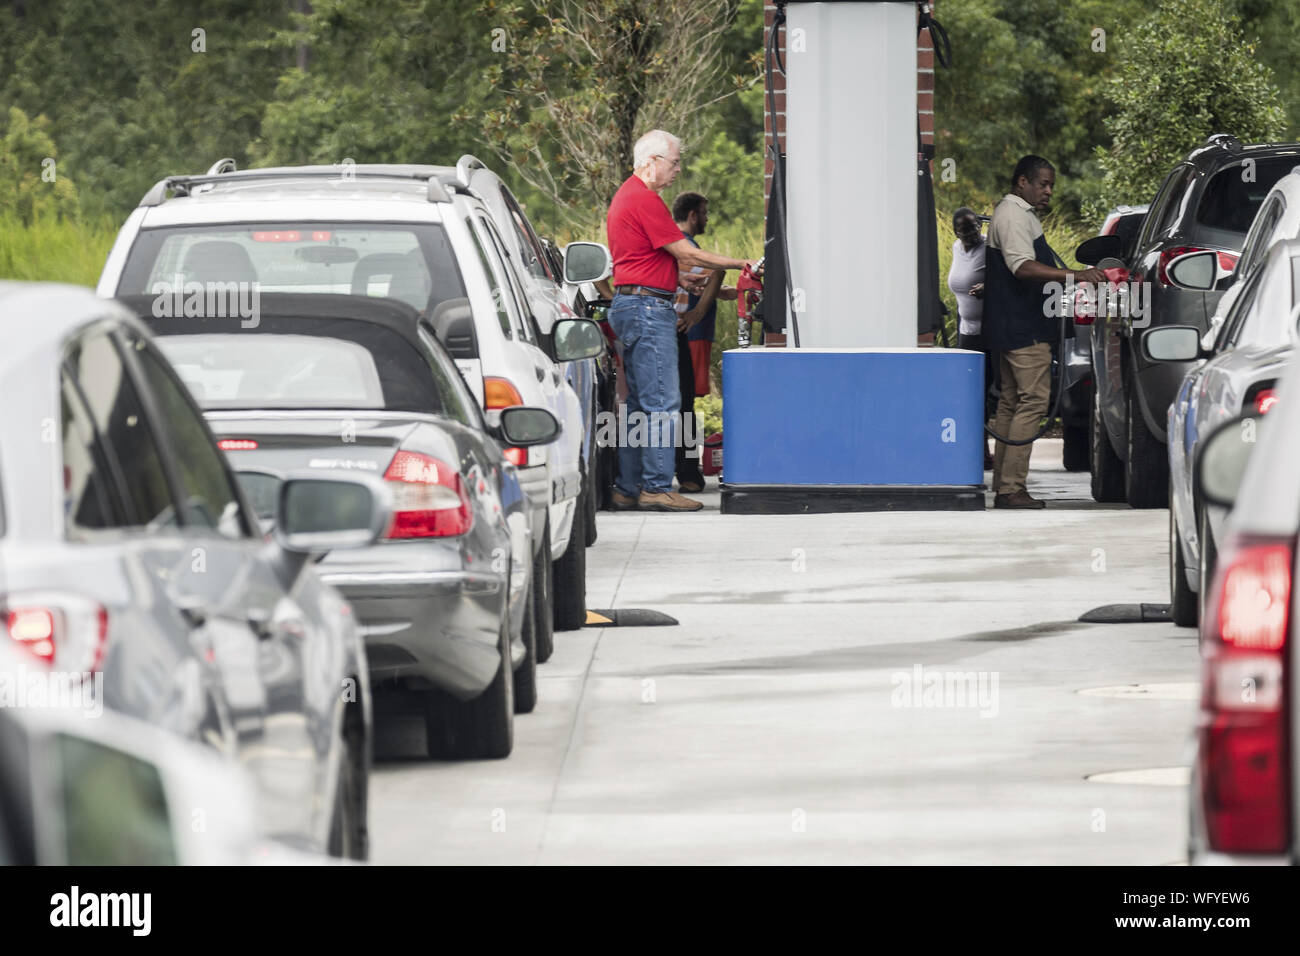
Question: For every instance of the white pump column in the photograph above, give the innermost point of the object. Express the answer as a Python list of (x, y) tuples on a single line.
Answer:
[(851, 172)]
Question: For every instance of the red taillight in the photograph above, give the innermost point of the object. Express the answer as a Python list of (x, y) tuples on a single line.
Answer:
[(429, 498), (500, 393), (236, 444), (517, 456), (1227, 261), (1245, 792), (278, 235), (1265, 399), (62, 631)]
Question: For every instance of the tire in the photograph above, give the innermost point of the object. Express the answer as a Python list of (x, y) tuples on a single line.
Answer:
[(482, 728), (526, 672), (349, 836), (1182, 600), (1107, 469), (571, 575), (590, 496), (1075, 453), (1146, 473), (606, 472), (544, 600), (1209, 556)]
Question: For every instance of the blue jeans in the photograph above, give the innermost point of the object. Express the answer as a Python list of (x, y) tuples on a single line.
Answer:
[(647, 327)]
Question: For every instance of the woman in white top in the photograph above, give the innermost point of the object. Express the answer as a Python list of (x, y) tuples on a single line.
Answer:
[(966, 281)]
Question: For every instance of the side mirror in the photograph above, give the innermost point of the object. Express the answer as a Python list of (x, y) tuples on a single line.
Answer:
[(587, 262), (1221, 462), (577, 339), (1197, 271), (326, 514), (1097, 248), (523, 426), (1172, 343)]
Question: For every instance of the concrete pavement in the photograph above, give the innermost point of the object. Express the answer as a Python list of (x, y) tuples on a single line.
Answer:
[(868, 688)]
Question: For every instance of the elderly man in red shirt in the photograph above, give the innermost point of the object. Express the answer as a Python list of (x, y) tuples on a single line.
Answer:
[(648, 251)]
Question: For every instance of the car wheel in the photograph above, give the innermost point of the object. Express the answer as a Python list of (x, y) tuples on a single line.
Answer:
[(349, 836), (1146, 473), (1209, 554), (526, 672), (590, 497), (480, 728), (571, 575), (1107, 469), (544, 599), (1182, 599), (1075, 452)]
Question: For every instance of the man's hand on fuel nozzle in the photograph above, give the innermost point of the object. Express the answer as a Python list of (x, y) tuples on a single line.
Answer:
[(693, 282), (755, 266), (1091, 274)]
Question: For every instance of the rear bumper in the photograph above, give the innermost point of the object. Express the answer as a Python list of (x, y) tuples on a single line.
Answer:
[(423, 627)]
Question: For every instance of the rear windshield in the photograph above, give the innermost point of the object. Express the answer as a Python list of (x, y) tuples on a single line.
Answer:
[(334, 364), (411, 262), (1235, 194)]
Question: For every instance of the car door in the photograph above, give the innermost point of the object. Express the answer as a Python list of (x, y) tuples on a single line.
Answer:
[(267, 649)]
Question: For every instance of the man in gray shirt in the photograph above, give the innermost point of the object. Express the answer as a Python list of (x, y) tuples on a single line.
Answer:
[(1016, 324)]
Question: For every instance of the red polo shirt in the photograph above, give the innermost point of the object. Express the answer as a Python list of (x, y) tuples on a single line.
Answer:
[(639, 225)]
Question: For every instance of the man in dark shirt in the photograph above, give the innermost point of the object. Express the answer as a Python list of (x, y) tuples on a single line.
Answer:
[(1018, 266), (648, 251)]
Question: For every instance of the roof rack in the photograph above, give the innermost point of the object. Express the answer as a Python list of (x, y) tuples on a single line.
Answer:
[(182, 185), (1226, 140), (467, 164)]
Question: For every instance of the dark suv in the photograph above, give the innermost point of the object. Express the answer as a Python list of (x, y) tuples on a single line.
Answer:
[(1207, 202)]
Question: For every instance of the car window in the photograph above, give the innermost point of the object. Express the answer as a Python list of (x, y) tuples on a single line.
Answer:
[(1179, 196), (96, 370), (304, 363), (492, 270), (534, 256), (521, 314), (1240, 308), (1260, 235), (1234, 194), (413, 263), (208, 494), (91, 499), (1267, 322), (1156, 209), (458, 403)]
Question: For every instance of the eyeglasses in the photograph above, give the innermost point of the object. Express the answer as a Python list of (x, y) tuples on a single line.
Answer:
[(676, 162)]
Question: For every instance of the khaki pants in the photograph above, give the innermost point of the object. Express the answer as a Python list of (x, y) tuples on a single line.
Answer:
[(1026, 387)]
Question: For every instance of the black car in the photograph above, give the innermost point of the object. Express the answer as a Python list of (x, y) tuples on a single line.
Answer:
[(362, 384), (1206, 203)]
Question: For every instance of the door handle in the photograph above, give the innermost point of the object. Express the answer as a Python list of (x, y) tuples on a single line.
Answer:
[(541, 373), (259, 620), (193, 611)]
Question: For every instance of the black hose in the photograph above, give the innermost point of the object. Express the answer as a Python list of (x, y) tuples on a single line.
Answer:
[(778, 166)]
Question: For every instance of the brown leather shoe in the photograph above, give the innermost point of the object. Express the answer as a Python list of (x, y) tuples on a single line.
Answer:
[(1020, 499), (690, 487), (667, 501), (624, 502)]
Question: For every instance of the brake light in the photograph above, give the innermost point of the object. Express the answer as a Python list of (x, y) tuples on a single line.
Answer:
[(64, 632), (1243, 754), (1227, 261), (280, 235), (1265, 399), (429, 498), (500, 393), (236, 444), (516, 456)]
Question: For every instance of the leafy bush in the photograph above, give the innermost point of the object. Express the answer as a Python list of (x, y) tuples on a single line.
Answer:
[(1185, 72)]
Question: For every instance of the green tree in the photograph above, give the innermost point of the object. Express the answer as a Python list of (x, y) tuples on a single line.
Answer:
[(31, 184), (1185, 72)]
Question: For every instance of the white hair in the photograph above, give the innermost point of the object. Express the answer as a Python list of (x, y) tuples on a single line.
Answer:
[(652, 144)]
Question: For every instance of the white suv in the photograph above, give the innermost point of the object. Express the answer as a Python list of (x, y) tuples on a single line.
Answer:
[(456, 268)]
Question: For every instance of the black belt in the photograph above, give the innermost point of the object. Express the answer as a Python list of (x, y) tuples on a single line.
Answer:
[(645, 290)]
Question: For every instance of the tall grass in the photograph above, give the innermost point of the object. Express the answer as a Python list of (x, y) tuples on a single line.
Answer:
[(52, 250)]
